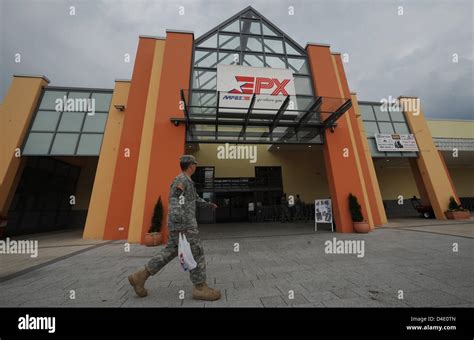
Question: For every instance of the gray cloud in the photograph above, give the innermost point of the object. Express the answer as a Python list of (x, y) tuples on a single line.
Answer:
[(388, 54)]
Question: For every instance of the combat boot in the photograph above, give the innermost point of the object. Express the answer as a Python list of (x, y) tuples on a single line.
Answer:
[(203, 292), (137, 280)]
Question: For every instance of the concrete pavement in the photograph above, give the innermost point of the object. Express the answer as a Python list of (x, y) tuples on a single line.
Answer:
[(277, 265)]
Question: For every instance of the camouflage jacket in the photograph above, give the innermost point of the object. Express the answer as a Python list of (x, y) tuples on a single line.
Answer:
[(182, 204)]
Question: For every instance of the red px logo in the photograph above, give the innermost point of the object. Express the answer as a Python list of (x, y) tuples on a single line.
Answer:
[(257, 84)]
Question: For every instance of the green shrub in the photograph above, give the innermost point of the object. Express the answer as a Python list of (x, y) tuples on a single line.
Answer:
[(454, 206), (354, 207), (157, 217)]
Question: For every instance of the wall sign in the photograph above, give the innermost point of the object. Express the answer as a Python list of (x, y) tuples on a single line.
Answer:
[(395, 142), (237, 84)]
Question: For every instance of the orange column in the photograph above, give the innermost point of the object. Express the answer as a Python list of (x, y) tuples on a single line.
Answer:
[(375, 196), (429, 165), (100, 198), (168, 141), (340, 149), (366, 175), (16, 112), (121, 196), (141, 181)]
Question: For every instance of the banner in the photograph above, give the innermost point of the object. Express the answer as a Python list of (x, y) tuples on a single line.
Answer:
[(395, 142), (237, 85)]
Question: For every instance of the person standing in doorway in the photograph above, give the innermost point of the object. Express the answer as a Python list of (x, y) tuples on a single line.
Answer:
[(285, 211), (182, 201)]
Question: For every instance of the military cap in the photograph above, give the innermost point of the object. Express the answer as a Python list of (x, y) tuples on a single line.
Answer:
[(187, 159)]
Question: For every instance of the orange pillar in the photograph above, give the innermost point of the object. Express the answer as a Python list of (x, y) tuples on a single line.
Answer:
[(121, 195), (371, 191), (16, 112), (434, 175), (168, 141), (376, 201), (101, 192), (342, 157)]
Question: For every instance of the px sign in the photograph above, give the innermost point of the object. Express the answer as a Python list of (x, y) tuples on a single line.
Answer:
[(259, 85), (236, 85)]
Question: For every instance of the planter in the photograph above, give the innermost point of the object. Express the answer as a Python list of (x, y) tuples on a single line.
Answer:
[(153, 239), (361, 227), (458, 215)]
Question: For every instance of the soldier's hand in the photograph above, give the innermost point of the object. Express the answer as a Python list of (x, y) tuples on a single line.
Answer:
[(213, 205)]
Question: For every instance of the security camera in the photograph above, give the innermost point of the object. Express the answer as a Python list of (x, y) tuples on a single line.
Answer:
[(120, 107), (176, 123)]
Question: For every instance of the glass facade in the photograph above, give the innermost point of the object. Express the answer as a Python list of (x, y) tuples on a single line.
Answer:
[(377, 120), (68, 122), (248, 39)]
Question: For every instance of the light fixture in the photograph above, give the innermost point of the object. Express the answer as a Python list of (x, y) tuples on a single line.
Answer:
[(120, 107), (309, 146)]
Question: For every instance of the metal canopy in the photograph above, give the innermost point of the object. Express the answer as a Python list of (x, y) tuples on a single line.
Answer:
[(296, 121)]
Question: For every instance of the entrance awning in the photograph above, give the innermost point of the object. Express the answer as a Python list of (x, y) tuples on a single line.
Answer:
[(251, 120)]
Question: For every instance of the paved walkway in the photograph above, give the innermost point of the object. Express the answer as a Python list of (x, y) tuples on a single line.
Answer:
[(278, 265)]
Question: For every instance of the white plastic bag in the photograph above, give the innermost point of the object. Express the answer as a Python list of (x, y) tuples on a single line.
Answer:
[(185, 255)]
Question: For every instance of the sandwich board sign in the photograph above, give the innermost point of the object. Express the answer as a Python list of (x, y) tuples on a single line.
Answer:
[(323, 213)]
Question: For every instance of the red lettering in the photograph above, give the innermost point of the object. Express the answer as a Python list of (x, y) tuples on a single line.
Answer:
[(280, 87), (263, 83)]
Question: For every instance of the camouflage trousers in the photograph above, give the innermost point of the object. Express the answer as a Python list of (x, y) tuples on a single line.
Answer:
[(198, 274)]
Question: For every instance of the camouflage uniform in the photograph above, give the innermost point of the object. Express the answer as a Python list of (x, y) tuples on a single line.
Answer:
[(182, 218)]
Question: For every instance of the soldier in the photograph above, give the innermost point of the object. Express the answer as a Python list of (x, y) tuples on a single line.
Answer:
[(182, 202)]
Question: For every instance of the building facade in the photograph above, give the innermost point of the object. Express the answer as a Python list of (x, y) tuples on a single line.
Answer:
[(100, 158)]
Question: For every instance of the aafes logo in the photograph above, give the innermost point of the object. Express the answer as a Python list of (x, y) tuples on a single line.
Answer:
[(259, 85)]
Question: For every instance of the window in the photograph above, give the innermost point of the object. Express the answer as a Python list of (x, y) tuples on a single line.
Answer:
[(382, 116), (378, 121), (367, 112), (254, 60), (229, 42), (371, 129), (275, 62), (250, 26), (274, 46), (57, 130), (252, 44), (205, 59)]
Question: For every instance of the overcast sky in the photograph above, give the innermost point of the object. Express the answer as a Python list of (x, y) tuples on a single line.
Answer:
[(389, 54)]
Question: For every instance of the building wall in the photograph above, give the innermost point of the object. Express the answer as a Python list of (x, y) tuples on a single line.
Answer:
[(303, 170), (463, 180), (395, 181), (451, 128)]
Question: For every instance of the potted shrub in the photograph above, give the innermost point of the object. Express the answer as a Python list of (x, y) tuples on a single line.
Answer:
[(3, 227), (456, 211), (360, 226), (154, 236)]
